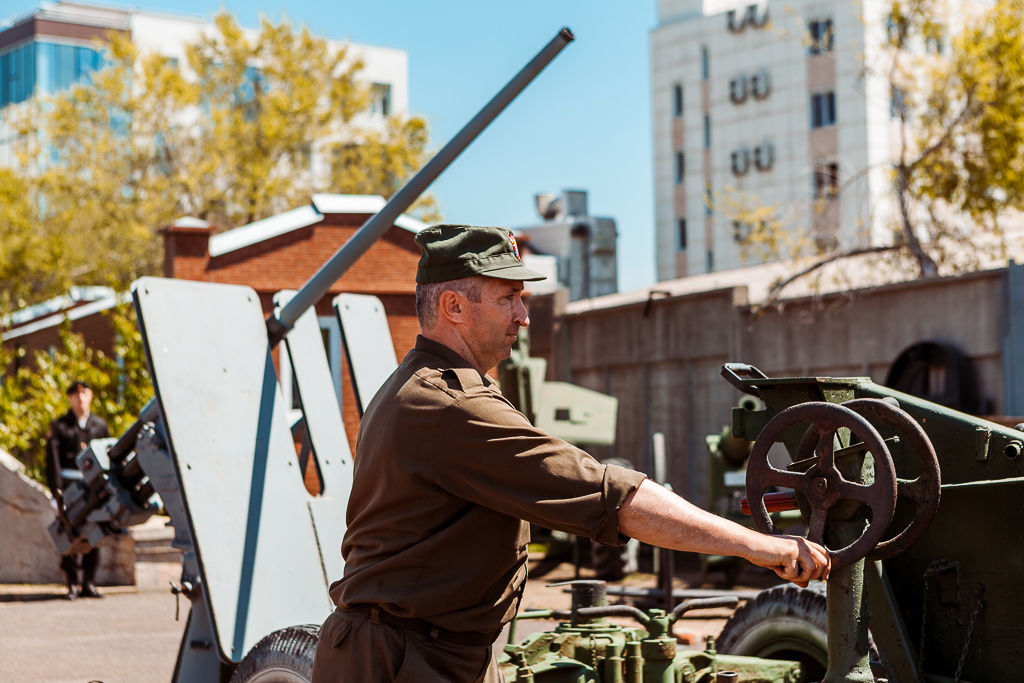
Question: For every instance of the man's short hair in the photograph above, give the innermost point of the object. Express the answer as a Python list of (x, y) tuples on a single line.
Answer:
[(76, 385), (427, 296)]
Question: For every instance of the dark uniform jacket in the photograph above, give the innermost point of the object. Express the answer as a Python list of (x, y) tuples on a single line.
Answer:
[(446, 470), (67, 440)]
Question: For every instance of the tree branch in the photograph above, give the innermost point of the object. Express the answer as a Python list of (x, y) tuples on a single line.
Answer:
[(775, 290)]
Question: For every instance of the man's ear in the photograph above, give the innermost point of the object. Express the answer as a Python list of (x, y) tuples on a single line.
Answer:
[(451, 307)]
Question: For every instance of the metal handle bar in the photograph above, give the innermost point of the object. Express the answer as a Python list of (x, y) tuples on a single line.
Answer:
[(278, 325), (704, 603), (732, 373)]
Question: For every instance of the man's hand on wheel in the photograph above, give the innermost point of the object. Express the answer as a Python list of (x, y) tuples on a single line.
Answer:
[(794, 558)]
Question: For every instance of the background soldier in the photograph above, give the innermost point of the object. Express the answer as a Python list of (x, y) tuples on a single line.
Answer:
[(446, 472), (69, 435)]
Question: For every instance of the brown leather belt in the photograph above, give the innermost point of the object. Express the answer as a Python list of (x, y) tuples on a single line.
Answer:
[(428, 630)]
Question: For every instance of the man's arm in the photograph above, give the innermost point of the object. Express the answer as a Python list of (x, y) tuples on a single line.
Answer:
[(656, 516)]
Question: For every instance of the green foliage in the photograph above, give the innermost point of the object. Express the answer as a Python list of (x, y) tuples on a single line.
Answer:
[(227, 136), (32, 389)]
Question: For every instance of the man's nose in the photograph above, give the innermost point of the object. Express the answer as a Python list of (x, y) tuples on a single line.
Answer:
[(521, 316)]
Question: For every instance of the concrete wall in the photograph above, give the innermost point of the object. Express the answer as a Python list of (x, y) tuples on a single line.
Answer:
[(662, 359), (27, 554)]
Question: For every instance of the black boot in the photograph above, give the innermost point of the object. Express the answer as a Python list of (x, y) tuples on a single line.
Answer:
[(89, 564)]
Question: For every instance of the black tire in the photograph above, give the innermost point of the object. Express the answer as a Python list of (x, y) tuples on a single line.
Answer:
[(785, 622), (285, 656)]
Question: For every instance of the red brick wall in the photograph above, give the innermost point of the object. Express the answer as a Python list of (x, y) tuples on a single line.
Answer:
[(387, 270)]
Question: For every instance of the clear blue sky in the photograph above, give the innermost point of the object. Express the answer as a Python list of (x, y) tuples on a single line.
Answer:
[(585, 123)]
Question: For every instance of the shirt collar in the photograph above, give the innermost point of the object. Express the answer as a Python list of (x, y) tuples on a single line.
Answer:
[(452, 358)]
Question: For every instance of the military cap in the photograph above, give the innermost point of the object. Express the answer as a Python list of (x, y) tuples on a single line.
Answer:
[(451, 252)]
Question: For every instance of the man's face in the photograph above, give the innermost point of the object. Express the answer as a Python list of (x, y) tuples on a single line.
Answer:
[(80, 399), (493, 324)]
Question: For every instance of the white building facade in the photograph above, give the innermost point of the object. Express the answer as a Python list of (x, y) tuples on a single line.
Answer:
[(775, 104), (56, 45)]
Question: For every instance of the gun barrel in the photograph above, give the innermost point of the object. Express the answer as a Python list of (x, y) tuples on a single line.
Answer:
[(349, 253)]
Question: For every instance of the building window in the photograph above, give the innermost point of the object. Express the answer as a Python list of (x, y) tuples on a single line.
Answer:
[(934, 42), (680, 167), (897, 103), (681, 232), (677, 100), (741, 231), (823, 109), (709, 205), (821, 36), (707, 131), (826, 181), (705, 70), (380, 94), (710, 261)]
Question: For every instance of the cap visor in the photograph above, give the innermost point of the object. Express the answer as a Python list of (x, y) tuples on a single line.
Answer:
[(515, 273)]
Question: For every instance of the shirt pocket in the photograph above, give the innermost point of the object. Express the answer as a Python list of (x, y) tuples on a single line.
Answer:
[(335, 629)]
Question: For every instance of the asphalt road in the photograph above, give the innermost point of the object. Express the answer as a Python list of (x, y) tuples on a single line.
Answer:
[(123, 638)]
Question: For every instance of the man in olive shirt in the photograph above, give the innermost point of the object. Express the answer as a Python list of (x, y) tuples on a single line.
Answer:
[(448, 476)]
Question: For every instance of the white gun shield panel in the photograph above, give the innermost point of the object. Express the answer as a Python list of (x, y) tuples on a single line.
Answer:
[(218, 392), (305, 350), (368, 344)]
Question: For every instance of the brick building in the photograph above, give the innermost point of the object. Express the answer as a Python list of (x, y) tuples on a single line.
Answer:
[(283, 251)]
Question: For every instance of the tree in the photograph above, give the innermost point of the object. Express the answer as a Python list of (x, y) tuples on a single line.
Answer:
[(960, 165), (229, 137), (32, 389)]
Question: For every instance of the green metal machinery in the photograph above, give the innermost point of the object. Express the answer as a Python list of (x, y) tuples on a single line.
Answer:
[(587, 648), (917, 592)]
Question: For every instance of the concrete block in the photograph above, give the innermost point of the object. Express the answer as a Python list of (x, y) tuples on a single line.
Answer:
[(27, 554)]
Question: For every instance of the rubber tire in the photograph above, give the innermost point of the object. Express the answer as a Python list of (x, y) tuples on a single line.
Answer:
[(285, 656), (785, 622)]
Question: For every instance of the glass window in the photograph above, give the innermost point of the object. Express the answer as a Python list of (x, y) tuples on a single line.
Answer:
[(680, 167), (380, 94), (677, 101), (705, 69), (681, 232), (821, 36), (710, 260), (709, 206), (826, 181), (64, 74), (707, 131), (823, 109)]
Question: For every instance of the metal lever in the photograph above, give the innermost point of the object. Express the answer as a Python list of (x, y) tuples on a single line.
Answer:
[(736, 373), (704, 603)]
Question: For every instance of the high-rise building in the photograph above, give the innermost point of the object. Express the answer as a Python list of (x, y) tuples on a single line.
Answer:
[(778, 104), (56, 45)]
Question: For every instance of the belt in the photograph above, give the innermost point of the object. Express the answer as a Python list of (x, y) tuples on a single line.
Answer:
[(429, 630)]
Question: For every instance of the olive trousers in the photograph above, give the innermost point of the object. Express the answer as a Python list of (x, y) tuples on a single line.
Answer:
[(354, 649)]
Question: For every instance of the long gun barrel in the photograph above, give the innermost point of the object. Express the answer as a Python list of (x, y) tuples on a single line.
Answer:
[(371, 230)]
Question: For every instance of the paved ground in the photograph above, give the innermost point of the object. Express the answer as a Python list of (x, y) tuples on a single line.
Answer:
[(132, 637), (124, 638)]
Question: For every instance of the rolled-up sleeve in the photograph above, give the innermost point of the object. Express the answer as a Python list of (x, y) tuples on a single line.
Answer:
[(488, 453)]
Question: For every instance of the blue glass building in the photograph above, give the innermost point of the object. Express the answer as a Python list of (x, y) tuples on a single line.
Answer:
[(43, 67)]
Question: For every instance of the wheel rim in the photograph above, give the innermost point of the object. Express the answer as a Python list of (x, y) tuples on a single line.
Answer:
[(279, 674)]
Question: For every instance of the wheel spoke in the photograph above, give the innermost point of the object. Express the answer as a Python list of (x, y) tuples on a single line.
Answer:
[(789, 480), (827, 450), (914, 489), (851, 491), (816, 529)]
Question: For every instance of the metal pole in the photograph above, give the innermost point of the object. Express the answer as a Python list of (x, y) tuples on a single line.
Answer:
[(371, 230)]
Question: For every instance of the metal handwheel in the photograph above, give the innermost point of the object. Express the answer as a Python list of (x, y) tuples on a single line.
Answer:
[(822, 484), (925, 490)]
